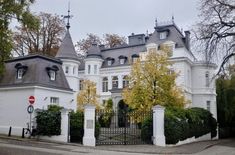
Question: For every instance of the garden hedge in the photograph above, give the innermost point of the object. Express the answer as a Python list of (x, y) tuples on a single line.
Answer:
[(49, 121), (77, 127), (181, 124)]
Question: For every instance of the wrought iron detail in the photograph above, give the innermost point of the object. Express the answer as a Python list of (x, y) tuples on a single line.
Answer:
[(120, 127)]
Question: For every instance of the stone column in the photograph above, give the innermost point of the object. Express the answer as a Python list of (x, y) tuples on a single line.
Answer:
[(64, 125), (89, 126), (158, 126), (120, 81)]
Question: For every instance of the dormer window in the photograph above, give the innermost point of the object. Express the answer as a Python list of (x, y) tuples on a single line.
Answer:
[(21, 70), (51, 71), (163, 35), (122, 59), (52, 75), (135, 57), (110, 61), (20, 73)]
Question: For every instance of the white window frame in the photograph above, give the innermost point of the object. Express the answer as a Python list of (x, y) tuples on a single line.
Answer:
[(122, 61), (67, 69), (125, 81), (109, 62), (54, 100), (95, 69), (105, 84), (207, 78), (162, 35), (115, 82), (208, 105), (52, 75), (89, 69), (81, 84), (20, 73)]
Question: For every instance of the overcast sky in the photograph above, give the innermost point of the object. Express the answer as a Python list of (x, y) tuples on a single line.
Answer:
[(120, 16)]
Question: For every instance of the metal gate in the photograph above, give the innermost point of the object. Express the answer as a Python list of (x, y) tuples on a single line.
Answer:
[(120, 127)]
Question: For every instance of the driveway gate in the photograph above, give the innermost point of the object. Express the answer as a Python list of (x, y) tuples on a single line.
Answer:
[(121, 127)]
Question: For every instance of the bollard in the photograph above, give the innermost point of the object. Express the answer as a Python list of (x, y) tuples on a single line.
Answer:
[(9, 133), (23, 133)]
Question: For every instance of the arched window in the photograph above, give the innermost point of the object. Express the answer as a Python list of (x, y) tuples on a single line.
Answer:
[(105, 84), (74, 70), (115, 82), (66, 69), (125, 81), (207, 79)]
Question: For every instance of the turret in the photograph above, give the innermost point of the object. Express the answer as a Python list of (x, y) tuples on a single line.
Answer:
[(93, 62), (69, 57)]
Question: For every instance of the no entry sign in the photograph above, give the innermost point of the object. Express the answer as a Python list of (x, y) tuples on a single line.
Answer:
[(31, 99)]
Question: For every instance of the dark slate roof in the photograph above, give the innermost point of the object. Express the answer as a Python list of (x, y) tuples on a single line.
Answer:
[(174, 35), (134, 48), (67, 50), (36, 73), (94, 52)]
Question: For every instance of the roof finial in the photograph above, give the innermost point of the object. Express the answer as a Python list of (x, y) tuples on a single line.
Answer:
[(173, 19), (68, 17), (155, 22)]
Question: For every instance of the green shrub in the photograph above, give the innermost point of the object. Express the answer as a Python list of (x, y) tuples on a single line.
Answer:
[(147, 130), (181, 124), (49, 121), (77, 127), (105, 118)]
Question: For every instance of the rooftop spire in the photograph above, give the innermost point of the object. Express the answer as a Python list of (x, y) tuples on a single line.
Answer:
[(68, 17)]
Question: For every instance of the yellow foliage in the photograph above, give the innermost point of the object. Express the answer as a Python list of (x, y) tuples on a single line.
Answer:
[(88, 95), (152, 82)]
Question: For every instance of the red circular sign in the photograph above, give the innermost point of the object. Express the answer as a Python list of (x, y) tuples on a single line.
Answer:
[(31, 99)]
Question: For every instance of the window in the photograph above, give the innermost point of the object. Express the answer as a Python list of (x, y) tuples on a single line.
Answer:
[(109, 62), (81, 84), (208, 105), (105, 84), (52, 75), (54, 100), (20, 73), (162, 35), (134, 59), (122, 61), (74, 70), (95, 69), (207, 79), (125, 81), (66, 69), (115, 82), (89, 69)]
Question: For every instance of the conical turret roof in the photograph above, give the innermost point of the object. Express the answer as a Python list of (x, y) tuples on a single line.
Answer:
[(67, 50), (94, 51)]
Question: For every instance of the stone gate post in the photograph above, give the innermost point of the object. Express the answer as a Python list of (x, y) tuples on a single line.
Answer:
[(89, 126), (158, 126)]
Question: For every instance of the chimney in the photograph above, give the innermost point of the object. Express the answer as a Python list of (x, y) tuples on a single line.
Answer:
[(187, 39)]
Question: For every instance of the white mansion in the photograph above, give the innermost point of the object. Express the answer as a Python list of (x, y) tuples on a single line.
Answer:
[(109, 67), (57, 80)]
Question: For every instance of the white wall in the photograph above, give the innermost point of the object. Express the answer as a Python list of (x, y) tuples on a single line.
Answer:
[(14, 103)]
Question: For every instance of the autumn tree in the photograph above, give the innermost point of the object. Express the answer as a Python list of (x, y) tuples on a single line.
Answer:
[(84, 44), (152, 82), (16, 10), (45, 40), (108, 40), (216, 30), (88, 95), (113, 40)]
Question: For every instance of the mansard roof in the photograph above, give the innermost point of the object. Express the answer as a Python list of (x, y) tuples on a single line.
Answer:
[(137, 44), (67, 50), (36, 73)]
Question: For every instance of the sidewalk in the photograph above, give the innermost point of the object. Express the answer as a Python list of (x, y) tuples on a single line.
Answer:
[(144, 149)]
